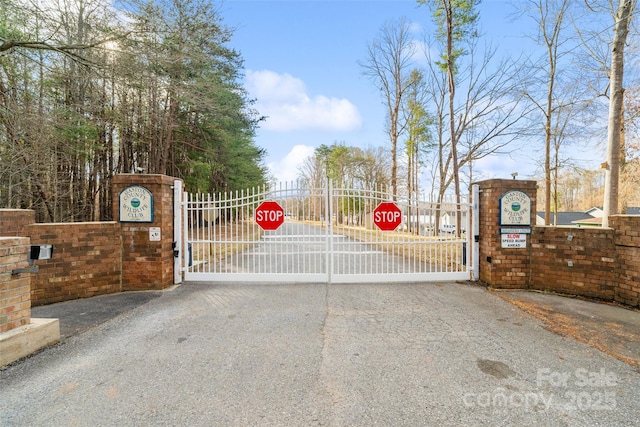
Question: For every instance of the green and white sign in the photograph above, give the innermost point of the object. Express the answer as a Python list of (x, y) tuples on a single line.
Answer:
[(135, 205), (515, 208)]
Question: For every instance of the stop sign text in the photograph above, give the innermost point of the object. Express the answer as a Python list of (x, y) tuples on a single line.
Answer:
[(387, 216), (269, 215)]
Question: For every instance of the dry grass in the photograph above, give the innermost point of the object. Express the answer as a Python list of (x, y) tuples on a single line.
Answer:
[(605, 337), (436, 250), (231, 238)]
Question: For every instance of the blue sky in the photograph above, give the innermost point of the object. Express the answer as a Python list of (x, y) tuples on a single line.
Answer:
[(301, 64)]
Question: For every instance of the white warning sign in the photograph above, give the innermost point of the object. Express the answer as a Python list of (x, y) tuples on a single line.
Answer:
[(514, 240)]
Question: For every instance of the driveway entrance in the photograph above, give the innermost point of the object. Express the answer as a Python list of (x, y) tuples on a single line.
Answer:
[(321, 355)]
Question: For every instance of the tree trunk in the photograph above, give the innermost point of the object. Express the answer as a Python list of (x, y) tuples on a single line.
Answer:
[(612, 175), (452, 120)]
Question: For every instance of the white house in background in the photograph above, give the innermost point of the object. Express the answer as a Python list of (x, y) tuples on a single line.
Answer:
[(426, 219), (590, 218), (448, 221), (595, 212), (564, 218)]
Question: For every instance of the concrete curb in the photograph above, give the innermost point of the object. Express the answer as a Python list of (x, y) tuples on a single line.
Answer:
[(24, 340)]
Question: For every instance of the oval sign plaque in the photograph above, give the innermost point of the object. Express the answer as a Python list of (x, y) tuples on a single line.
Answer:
[(515, 208), (135, 205)]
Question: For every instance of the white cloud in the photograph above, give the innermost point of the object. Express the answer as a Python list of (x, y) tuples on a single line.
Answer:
[(286, 170), (284, 100), (502, 166), (416, 28)]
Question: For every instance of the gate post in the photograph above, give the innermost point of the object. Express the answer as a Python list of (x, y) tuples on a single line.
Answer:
[(475, 232), (502, 266), (144, 207), (177, 244)]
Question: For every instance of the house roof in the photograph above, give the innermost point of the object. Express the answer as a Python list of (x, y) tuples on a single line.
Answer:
[(595, 211), (566, 218), (591, 217)]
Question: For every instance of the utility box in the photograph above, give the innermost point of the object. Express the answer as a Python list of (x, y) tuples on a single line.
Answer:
[(40, 252)]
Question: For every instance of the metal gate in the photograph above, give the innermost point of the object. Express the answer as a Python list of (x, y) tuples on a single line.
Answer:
[(328, 234)]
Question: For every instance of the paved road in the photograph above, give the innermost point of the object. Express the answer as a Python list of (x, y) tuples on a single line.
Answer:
[(300, 248), (331, 355)]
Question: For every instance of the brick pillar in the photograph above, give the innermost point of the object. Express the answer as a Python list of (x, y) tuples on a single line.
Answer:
[(147, 263), (627, 257), (13, 222), (15, 290), (508, 268)]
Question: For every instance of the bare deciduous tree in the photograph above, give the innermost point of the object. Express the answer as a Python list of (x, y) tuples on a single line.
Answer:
[(550, 18), (456, 22), (490, 112), (614, 128), (389, 64)]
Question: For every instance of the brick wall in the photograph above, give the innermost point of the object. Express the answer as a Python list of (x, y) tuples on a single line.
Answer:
[(100, 257), (86, 261), (15, 305), (508, 267), (627, 271), (96, 258), (576, 261), (590, 262)]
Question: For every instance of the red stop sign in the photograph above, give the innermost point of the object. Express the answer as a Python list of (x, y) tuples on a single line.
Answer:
[(387, 216), (269, 215)]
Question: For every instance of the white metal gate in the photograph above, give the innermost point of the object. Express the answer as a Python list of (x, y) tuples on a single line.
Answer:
[(328, 235)]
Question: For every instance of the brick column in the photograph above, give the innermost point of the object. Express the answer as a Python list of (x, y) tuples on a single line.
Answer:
[(13, 222), (147, 264), (15, 290), (508, 268), (627, 259)]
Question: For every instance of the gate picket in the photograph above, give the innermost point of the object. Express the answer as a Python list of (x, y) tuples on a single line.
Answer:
[(328, 235)]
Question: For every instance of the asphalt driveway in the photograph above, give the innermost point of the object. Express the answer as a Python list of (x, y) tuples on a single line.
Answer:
[(315, 354)]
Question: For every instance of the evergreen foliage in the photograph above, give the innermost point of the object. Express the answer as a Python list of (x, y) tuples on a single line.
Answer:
[(87, 92)]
